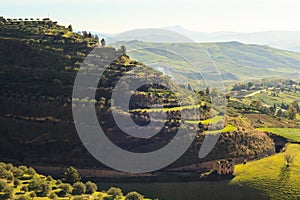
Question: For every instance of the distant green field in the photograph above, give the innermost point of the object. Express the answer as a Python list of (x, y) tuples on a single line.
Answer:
[(268, 99), (271, 175), (292, 134)]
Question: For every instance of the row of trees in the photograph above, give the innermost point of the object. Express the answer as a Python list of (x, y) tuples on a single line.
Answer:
[(71, 176), (30, 184)]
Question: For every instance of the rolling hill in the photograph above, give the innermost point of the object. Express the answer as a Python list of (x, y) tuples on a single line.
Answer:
[(234, 60)]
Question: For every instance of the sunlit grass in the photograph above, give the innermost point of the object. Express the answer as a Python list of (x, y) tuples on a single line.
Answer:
[(292, 134), (226, 129), (271, 175)]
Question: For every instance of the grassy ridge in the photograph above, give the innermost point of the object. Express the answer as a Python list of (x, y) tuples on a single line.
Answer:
[(292, 134), (271, 175)]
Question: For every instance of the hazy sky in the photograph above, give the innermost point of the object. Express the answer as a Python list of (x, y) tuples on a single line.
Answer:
[(113, 16)]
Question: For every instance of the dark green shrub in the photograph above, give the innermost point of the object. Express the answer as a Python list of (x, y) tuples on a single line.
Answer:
[(58, 182), (66, 188), (24, 188), (30, 171), (49, 179), (115, 192), (79, 188), (44, 189), (23, 168), (90, 187), (71, 175), (17, 182), (134, 196)]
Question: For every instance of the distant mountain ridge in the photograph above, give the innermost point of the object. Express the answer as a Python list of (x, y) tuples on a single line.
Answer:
[(288, 40), (235, 60)]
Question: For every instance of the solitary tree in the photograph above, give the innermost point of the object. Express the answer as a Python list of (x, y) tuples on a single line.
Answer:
[(256, 104), (70, 28), (295, 104), (288, 159), (102, 42), (207, 91), (123, 49), (291, 113)]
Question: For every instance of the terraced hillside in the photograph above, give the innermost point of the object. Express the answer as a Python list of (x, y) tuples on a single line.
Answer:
[(39, 61)]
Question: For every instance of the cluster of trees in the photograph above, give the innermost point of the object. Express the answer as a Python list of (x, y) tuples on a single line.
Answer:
[(88, 35), (30, 184), (10, 177), (242, 86), (289, 113), (47, 33), (290, 110)]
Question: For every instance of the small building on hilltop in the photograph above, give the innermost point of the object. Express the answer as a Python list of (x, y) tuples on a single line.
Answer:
[(224, 166)]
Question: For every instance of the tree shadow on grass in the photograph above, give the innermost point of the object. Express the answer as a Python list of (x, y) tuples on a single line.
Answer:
[(285, 174)]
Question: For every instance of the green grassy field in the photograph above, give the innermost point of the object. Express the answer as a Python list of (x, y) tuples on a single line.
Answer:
[(228, 128), (268, 99), (292, 134), (213, 120), (271, 175)]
